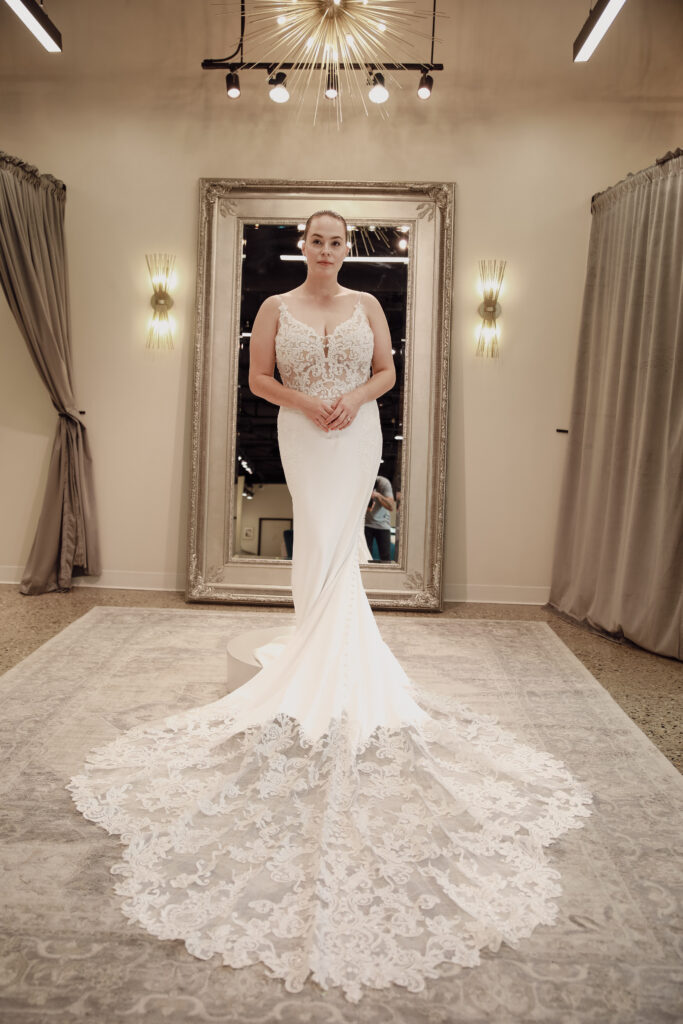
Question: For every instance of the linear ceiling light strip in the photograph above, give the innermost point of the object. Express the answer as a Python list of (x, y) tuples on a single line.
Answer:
[(599, 20), (37, 21)]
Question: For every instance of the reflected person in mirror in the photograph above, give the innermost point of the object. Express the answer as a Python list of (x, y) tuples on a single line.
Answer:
[(378, 518)]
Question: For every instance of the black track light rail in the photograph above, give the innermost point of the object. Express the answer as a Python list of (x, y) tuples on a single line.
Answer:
[(227, 65)]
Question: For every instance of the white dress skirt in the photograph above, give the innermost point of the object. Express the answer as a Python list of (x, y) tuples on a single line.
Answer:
[(330, 818)]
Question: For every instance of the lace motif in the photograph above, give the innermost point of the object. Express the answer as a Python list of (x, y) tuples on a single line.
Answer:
[(371, 866), (306, 363)]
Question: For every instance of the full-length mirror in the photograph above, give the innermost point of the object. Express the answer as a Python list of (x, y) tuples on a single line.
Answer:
[(241, 521)]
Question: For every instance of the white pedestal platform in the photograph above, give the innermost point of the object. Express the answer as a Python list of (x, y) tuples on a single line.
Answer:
[(249, 652)]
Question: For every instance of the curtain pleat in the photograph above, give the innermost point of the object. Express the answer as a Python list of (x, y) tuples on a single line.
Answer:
[(33, 275), (618, 563)]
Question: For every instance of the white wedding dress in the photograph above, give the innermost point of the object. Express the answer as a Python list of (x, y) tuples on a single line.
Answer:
[(330, 817)]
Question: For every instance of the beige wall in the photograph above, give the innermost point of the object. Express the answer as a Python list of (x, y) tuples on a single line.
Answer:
[(129, 121), (270, 501)]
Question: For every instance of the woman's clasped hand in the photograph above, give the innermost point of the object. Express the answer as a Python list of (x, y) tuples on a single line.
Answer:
[(332, 415)]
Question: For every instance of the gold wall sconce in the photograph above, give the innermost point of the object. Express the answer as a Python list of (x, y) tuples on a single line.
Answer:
[(162, 276), (490, 283)]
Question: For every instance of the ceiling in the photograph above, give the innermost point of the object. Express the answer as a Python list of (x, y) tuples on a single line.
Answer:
[(522, 47)]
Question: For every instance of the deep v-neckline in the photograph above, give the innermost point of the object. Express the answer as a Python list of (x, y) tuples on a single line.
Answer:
[(321, 337)]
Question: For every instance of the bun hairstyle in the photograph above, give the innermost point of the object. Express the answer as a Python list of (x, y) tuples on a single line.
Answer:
[(326, 213)]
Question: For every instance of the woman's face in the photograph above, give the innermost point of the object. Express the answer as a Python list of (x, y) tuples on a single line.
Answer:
[(325, 245)]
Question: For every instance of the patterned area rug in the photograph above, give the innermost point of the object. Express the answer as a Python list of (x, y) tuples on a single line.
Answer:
[(68, 953)]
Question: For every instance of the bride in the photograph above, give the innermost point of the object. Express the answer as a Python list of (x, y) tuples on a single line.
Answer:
[(331, 818)]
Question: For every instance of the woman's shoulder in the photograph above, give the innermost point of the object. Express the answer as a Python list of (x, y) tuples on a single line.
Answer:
[(274, 303), (368, 301), (282, 298), (269, 312)]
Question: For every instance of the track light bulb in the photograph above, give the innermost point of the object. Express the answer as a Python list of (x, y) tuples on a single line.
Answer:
[(278, 92), (232, 84), (332, 90), (424, 89), (378, 93)]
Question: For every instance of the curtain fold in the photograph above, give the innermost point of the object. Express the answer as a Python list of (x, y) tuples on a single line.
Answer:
[(33, 275), (618, 562)]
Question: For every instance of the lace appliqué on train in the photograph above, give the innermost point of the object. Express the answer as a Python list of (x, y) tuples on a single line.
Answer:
[(369, 866), (324, 366)]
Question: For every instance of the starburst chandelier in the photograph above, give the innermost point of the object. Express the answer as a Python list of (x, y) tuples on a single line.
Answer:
[(334, 49)]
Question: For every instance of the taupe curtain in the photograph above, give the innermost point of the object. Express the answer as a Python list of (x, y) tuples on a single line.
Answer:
[(33, 275), (618, 563)]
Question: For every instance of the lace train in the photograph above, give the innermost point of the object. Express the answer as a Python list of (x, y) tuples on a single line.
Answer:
[(371, 865)]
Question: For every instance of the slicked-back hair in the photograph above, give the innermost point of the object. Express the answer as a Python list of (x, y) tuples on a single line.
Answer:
[(326, 213)]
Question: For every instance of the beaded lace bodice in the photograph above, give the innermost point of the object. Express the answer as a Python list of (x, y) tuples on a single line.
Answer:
[(326, 366)]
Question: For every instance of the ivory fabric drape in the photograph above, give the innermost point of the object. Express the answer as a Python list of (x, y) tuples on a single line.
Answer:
[(618, 563), (33, 274)]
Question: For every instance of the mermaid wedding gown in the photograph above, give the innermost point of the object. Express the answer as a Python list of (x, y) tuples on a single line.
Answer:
[(330, 817)]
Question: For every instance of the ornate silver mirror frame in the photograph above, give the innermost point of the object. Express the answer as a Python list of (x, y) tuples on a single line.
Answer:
[(227, 207)]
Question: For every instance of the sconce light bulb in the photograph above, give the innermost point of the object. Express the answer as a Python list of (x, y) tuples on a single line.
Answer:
[(488, 339), (491, 274), (162, 275)]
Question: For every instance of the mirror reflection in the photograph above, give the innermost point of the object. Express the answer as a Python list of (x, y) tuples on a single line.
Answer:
[(378, 262)]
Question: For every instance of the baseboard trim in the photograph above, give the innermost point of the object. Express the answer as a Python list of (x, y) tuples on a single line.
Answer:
[(110, 579), (495, 593), (114, 579)]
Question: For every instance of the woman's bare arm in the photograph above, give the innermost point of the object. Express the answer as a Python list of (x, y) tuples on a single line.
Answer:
[(262, 381), (383, 370)]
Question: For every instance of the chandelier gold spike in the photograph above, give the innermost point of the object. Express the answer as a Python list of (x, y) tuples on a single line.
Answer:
[(344, 41)]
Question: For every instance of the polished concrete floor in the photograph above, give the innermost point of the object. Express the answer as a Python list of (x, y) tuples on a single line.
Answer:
[(647, 686)]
